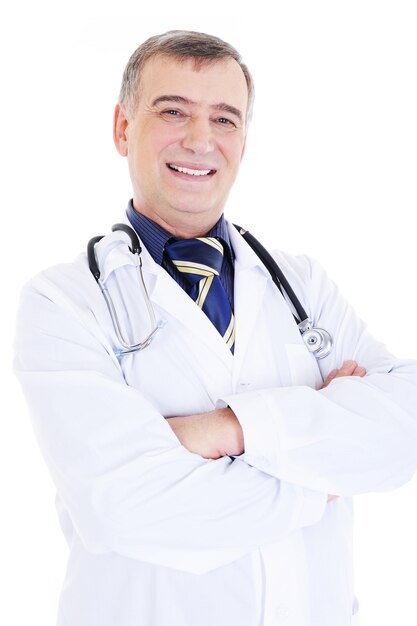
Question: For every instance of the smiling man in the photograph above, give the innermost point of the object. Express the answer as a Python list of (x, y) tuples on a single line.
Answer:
[(184, 140), (192, 434)]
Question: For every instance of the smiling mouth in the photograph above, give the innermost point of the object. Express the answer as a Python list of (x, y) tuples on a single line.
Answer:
[(189, 171)]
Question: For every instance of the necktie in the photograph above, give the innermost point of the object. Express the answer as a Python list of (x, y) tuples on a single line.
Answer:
[(200, 260)]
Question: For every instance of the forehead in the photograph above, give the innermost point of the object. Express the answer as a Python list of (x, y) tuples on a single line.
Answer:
[(208, 84)]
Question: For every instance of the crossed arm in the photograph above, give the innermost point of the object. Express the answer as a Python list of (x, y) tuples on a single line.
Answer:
[(218, 433)]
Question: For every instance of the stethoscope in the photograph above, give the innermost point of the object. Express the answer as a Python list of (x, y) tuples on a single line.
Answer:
[(317, 340)]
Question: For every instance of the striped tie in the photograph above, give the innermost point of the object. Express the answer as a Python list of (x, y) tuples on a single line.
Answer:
[(200, 260)]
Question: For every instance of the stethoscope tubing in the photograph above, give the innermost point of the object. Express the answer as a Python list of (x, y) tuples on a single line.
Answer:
[(317, 340), (275, 271)]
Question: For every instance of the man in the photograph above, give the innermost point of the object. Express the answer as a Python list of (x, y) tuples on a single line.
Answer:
[(205, 479)]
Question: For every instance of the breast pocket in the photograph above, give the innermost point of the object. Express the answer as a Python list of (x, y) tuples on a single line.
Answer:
[(303, 366)]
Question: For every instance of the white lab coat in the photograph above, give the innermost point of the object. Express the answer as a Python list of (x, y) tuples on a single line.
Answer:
[(159, 536)]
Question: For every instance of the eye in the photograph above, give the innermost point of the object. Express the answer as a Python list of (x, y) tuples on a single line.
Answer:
[(172, 113), (225, 121)]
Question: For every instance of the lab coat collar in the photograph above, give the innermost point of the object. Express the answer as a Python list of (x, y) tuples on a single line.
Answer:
[(250, 282), (112, 252), (172, 301), (167, 295)]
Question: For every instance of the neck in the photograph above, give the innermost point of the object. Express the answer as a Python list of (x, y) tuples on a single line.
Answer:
[(185, 226)]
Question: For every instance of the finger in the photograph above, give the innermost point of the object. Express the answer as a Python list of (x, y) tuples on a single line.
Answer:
[(329, 378), (347, 368), (359, 371)]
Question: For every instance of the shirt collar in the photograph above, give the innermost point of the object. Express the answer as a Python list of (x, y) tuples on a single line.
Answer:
[(154, 237)]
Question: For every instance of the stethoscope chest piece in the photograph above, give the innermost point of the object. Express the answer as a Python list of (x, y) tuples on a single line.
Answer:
[(317, 340)]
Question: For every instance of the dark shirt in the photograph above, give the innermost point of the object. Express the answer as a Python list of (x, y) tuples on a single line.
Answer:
[(155, 238)]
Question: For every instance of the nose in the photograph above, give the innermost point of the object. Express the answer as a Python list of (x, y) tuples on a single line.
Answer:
[(199, 136)]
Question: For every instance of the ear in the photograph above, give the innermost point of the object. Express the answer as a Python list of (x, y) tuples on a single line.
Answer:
[(120, 124)]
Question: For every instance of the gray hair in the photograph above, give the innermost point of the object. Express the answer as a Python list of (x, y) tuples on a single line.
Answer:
[(181, 45)]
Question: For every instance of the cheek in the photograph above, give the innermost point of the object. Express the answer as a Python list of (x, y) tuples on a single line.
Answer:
[(232, 151), (149, 142), (161, 139)]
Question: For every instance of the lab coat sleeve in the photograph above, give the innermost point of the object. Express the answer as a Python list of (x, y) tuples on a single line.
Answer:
[(125, 480), (358, 434)]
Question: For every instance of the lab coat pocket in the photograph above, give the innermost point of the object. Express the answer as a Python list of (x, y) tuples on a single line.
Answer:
[(303, 368)]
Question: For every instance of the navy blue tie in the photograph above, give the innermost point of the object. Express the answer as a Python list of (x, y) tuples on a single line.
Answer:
[(200, 260)]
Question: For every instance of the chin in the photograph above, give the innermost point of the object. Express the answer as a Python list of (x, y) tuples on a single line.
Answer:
[(194, 207), (190, 216)]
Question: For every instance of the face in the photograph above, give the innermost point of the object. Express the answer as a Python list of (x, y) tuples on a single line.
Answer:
[(185, 141)]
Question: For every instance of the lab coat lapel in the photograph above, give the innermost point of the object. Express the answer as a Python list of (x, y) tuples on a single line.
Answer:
[(250, 282), (249, 290), (253, 282), (169, 296), (251, 279)]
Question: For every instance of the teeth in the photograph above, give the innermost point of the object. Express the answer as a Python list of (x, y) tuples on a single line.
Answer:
[(186, 170)]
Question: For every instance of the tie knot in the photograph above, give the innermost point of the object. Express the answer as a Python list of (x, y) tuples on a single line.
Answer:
[(196, 258)]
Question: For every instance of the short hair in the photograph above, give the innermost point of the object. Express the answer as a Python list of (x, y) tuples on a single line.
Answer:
[(180, 45)]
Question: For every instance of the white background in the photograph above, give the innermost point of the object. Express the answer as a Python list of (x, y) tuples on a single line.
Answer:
[(330, 170)]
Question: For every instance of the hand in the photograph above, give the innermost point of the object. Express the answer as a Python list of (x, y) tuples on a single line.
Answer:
[(218, 433), (349, 368), (211, 435)]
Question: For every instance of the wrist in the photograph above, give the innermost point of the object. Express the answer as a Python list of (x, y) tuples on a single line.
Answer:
[(232, 441)]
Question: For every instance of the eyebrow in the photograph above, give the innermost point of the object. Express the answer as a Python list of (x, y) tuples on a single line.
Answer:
[(221, 106)]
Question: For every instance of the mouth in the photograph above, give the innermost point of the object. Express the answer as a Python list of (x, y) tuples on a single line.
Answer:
[(188, 172)]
